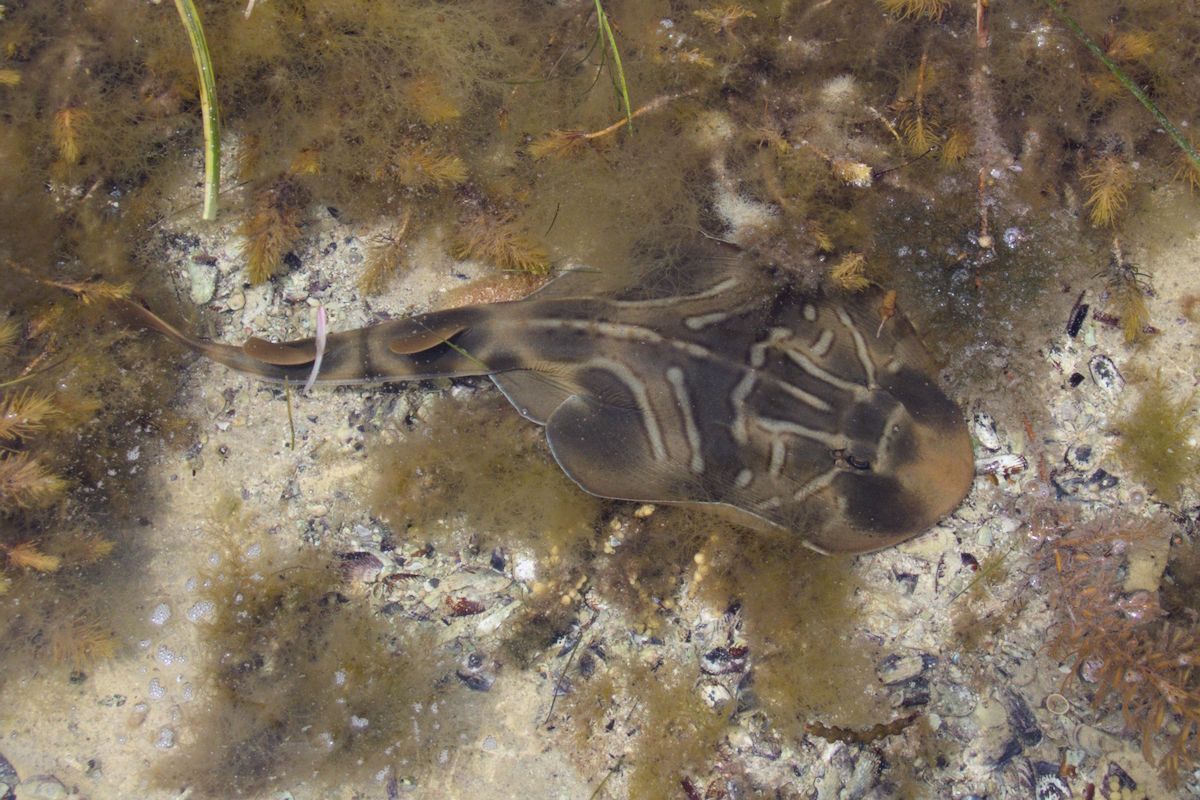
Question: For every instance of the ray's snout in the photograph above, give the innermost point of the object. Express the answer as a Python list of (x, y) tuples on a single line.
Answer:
[(926, 468), (943, 472), (934, 462)]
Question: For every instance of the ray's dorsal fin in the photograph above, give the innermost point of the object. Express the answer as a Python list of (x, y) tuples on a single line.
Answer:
[(283, 354), (423, 340)]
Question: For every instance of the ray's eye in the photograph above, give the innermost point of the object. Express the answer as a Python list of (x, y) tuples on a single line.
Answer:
[(858, 464)]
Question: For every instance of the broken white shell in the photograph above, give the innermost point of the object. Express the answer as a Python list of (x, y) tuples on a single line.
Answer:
[(1105, 374), (984, 428)]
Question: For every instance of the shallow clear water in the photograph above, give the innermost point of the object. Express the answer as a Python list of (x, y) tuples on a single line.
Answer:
[(218, 586)]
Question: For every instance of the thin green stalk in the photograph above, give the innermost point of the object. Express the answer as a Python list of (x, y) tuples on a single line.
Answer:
[(612, 44), (1184, 145), (208, 105), (988, 570), (611, 772), (34, 374), (464, 353)]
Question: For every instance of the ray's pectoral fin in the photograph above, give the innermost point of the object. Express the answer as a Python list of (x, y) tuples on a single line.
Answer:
[(614, 452), (535, 394)]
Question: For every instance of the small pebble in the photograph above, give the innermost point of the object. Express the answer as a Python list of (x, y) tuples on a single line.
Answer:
[(984, 428), (203, 282), (43, 787)]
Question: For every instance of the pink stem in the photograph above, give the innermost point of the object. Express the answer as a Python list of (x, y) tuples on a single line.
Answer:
[(320, 348)]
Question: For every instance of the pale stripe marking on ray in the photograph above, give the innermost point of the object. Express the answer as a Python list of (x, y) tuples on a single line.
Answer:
[(625, 333), (805, 397), (702, 321), (743, 479), (737, 398), (638, 389), (693, 350), (712, 291), (612, 330), (833, 441), (821, 346), (860, 346), (684, 401), (815, 485), (806, 364), (758, 350), (778, 456)]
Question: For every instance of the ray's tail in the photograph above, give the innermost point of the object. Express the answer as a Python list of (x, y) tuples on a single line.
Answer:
[(425, 346)]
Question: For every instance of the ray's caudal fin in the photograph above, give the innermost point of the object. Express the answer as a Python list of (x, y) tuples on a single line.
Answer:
[(409, 349)]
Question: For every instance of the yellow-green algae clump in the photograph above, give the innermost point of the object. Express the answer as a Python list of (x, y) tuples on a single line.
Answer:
[(1157, 439), (304, 682)]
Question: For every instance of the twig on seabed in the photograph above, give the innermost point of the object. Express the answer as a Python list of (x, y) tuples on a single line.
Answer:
[(985, 239)]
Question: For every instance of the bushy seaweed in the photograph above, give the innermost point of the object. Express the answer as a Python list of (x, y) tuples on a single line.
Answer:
[(1156, 439), (73, 425), (1124, 650), (301, 682)]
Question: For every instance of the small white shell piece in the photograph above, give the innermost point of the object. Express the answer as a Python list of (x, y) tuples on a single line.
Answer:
[(1105, 374), (984, 428)]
